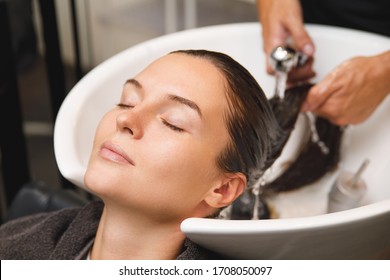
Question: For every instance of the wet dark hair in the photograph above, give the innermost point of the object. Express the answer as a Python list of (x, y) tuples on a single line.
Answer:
[(250, 120)]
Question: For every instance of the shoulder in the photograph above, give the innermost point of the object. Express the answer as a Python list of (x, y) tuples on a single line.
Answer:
[(37, 236)]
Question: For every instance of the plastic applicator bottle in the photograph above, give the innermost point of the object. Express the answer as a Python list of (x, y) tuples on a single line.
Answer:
[(347, 190)]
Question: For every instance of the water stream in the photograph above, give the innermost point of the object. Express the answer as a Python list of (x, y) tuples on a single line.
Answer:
[(315, 138), (281, 80)]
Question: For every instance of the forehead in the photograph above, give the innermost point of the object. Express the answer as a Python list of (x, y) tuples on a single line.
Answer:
[(184, 69), (190, 77)]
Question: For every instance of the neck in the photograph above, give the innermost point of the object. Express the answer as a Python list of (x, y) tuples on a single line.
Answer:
[(125, 235)]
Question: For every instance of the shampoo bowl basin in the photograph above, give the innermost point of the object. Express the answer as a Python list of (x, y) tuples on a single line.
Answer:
[(304, 230)]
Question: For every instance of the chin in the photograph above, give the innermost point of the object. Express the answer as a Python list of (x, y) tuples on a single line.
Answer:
[(98, 179)]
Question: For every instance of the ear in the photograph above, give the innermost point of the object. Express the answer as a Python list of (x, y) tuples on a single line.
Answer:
[(227, 191)]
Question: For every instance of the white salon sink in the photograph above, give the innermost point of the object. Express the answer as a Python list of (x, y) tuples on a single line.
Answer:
[(303, 229)]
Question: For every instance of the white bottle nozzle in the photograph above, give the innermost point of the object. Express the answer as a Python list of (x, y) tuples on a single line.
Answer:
[(359, 172)]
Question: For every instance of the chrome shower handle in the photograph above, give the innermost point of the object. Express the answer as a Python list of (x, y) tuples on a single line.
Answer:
[(285, 58)]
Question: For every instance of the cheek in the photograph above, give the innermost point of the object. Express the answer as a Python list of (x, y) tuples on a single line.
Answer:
[(181, 165), (96, 168), (173, 151), (178, 178), (106, 127)]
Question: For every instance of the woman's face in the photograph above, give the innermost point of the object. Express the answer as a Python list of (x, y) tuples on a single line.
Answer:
[(156, 151)]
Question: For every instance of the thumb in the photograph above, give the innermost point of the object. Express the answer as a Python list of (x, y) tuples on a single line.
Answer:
[(318, 95)]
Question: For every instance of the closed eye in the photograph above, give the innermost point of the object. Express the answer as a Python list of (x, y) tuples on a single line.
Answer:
[(167, 124), (171, 126), (124, 106)]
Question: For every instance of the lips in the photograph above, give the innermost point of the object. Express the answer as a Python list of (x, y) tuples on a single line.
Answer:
[(114, 153)]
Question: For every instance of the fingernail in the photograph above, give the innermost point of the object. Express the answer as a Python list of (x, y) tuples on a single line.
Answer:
[(308, 49)]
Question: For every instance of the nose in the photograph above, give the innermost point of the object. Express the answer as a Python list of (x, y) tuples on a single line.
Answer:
[(129, 122)]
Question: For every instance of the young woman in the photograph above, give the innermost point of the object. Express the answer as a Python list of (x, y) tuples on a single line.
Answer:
[(185, 138)]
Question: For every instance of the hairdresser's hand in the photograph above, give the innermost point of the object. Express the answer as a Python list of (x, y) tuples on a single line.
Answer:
[(280, 20), (352, 91)]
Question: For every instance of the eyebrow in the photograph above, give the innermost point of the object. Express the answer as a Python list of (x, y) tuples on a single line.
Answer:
[(172, 97), (134, 82), (186, 102)]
